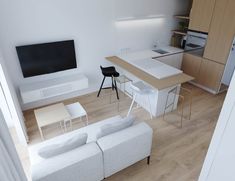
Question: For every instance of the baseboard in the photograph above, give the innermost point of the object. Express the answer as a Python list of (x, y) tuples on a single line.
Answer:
[(203, 87)]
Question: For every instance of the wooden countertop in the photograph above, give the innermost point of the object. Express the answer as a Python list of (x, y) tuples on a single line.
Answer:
[(155, 82)]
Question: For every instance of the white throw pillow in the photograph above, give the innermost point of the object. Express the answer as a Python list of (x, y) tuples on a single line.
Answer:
[(63, 146), (115, 127)]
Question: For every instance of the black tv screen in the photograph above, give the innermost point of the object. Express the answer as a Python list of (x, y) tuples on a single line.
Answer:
[(46, 58)]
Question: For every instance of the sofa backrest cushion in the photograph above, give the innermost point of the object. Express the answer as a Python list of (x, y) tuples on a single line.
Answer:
[(63, 146), (114, 127)]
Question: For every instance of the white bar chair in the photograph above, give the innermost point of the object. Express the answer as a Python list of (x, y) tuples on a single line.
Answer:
[(184, 98), (140, 88), (76, 111), (123, 80)]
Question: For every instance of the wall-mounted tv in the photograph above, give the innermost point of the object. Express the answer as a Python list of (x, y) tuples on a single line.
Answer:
[(39, 59)]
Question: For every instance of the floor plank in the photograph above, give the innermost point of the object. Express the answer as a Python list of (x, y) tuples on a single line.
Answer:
[(177, 153)]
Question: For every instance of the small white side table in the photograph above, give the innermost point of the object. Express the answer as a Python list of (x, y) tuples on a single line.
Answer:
[(76, 111)]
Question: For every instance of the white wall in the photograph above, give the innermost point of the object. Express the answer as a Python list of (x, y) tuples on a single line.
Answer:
[(90, 23), (230, 67), (11, 167), (220, 159)]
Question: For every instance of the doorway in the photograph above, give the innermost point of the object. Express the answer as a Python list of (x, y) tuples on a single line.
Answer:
[(13, 116)]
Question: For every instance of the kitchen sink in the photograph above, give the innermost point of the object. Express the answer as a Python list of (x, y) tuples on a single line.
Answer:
[(161, 51)]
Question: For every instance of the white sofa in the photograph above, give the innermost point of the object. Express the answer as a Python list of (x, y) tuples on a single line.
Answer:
[(96, 160), (126, 147)]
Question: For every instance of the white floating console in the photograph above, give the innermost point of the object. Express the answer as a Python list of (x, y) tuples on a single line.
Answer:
[(52, 87)]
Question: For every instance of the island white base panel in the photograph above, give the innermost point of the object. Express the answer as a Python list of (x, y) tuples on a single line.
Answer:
[(157, 99)]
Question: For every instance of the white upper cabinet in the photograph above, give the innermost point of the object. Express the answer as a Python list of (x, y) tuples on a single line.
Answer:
[(144, 8), (134, 8)]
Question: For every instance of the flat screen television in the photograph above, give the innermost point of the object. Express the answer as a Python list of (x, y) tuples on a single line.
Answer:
[(46, 58)]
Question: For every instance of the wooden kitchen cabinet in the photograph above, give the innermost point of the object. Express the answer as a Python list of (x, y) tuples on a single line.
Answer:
[(201, 15), (191, 65), (222, 31), (206, 72), (210, 74)]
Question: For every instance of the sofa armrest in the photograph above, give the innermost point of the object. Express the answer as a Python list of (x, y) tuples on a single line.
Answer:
[(126, 147), (85, 163)]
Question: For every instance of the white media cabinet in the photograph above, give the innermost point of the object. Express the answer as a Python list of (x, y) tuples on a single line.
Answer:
[(52, 87)]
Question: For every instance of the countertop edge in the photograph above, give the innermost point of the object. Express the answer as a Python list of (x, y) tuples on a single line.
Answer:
[(159, 84)]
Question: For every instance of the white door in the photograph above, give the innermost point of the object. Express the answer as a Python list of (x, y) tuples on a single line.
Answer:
[(230, 67), (4, 106), (223, 166), (220, 159), (12, 106)]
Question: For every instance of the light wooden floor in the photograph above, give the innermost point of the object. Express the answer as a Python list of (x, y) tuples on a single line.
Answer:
[(177, 154)]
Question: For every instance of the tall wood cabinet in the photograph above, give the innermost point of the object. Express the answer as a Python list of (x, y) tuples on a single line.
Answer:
[(201, 15), (222, 31), (217, 17), (206, 72)]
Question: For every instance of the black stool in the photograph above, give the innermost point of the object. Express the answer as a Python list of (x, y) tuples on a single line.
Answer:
[(109, 72)]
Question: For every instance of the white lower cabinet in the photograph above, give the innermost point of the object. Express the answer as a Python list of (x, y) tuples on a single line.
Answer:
[(174, 60), (52, 87)]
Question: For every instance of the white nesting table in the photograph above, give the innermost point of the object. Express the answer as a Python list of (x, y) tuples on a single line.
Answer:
[(45, 116), (76, 111)]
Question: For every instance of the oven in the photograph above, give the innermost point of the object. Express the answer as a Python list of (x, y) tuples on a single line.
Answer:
[(195, 40)]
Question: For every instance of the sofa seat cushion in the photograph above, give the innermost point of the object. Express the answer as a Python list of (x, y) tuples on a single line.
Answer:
[(59, 147), (84, 163), (92, 130)]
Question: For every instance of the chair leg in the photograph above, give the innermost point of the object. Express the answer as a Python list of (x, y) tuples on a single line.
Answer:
[(112, 83), (115, 87), (71, 124), (150, 110), (133, 101), (65, 126), (62, 127), (148, 160), (87, 120), (101, 87)]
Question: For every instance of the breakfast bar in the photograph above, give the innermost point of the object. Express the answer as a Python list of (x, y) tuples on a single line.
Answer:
[(162, 77)]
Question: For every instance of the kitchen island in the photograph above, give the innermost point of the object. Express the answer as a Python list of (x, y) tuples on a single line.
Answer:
[(162, 77)]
